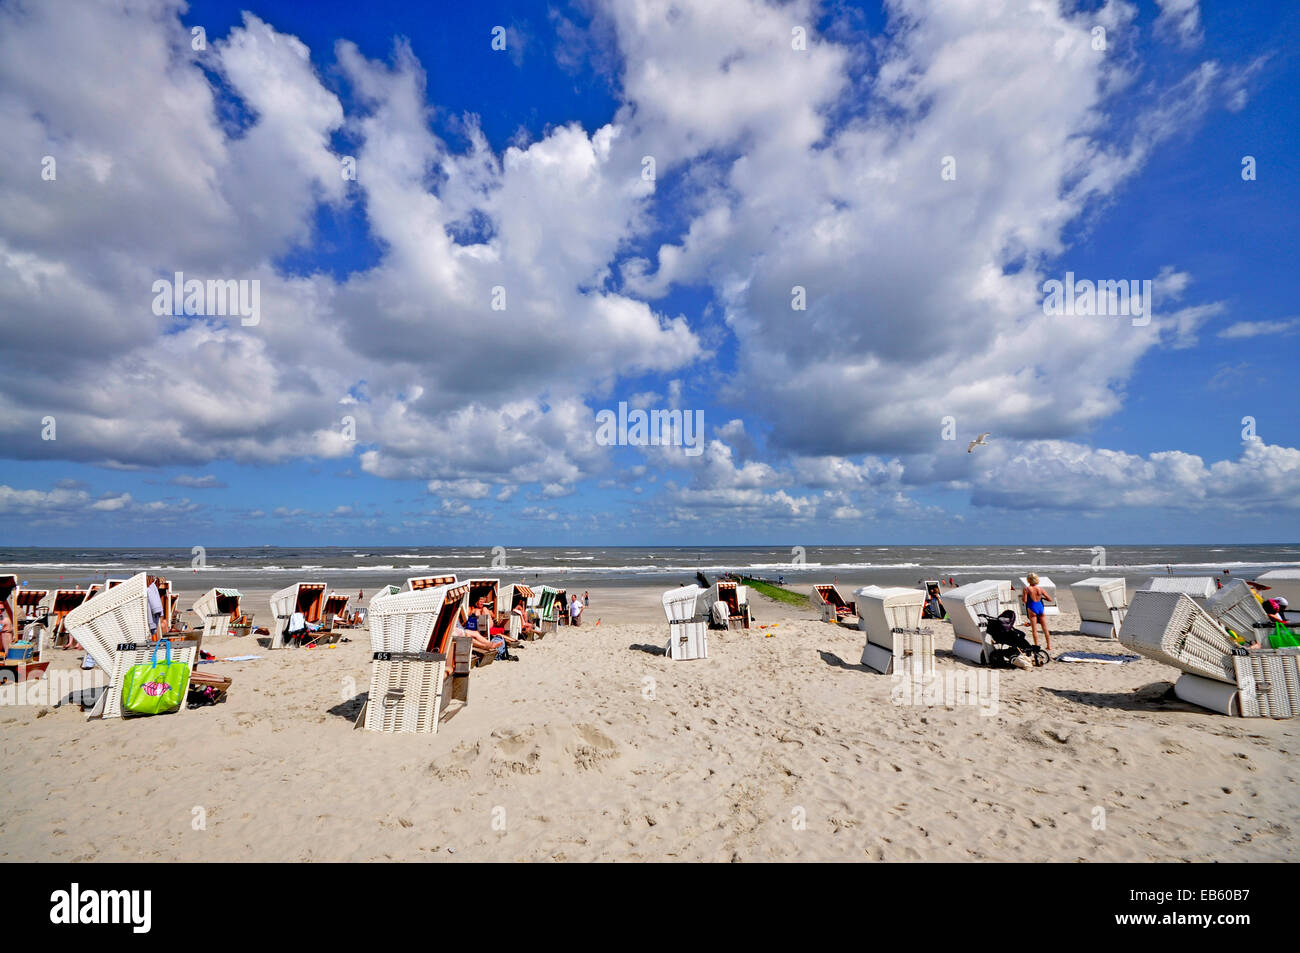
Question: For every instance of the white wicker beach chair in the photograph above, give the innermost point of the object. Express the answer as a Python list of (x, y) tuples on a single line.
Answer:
[(514, 601), (965, 604), (1102, 602), (114, 630), (1171, 628), (411, 634), (688, 631), (216, 608), (56, 607), (1199, 588), (895, 642), (305, 597)]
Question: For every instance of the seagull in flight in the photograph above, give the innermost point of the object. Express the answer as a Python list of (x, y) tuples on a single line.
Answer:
[(979, 441)]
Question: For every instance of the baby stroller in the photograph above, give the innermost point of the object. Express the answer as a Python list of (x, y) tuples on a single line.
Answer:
[(1010, 644)]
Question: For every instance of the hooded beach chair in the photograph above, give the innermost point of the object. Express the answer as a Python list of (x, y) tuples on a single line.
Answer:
[(1199, 588), (23, 658), (307, 598), (335, 612), (113, 628), (965, 605), (514, 602), (55, 607), (1102, 602), (688, 629), (415, 653), (895, 642), (552, 608), (1171, 628), (736, 598), (217, 609), (833, 606)]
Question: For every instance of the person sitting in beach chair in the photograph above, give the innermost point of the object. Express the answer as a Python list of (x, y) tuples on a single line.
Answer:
[(478, 626), (933, 608)]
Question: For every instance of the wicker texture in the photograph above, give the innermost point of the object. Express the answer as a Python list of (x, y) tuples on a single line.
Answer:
[(881, 609), (680, 603), (283, 604), (965, 603), (404, 621), (1095, 597), (112, 618), (912, 653), (405, 694), (1268, 683), (1235, 607), (1198, 587), (1169, 627)]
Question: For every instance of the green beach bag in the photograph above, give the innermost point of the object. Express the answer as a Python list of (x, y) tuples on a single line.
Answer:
[(155, 689), (1282, 637)]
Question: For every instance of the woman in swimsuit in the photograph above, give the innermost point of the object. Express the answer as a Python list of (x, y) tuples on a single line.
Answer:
[(1034, 597)]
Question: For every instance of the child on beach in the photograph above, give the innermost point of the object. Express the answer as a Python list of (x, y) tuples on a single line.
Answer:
[(1034, 596)]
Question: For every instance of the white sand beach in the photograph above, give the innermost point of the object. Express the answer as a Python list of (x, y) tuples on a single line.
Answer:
[(780, 746)]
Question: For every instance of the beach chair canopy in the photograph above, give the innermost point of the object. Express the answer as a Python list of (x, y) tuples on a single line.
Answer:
[(336, 603), (419, 620), (1097, 595), (484, 588), (966, 603), (881, 609), (29, 600), (515, 597), (1198, 587), (116, 617), (680, 603), (416, 583)]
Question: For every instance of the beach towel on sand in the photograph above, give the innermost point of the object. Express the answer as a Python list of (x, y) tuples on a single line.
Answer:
[(1096, 657)]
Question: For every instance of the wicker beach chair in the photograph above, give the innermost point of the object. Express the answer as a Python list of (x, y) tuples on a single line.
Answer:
[(833, 606), (965, 605), (411, 638), (1171, 628), (895, 642), (114, 630), (1102, 603), (1236, 608), (217, 609), (736, 598), (1199, 588), (23, 658), (305, 597), (514, 602), (688, 630), (55, 607)]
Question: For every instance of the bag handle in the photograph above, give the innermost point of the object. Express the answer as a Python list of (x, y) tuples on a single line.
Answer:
[(153, 656)]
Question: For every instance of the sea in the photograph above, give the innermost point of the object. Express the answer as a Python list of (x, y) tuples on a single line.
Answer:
[(366, 568)]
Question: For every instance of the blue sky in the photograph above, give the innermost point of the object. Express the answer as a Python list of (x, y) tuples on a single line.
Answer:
[(521, 169)]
